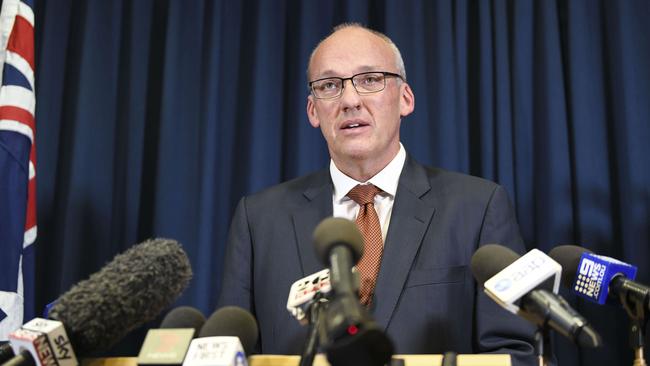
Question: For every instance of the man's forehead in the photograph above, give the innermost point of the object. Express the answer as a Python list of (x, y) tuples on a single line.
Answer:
[(351, 51), (351, 39)]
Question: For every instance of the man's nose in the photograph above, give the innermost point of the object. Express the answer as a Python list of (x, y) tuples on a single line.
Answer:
[(350, 99)]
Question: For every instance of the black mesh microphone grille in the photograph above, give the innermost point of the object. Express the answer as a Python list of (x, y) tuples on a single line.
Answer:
[(335, 231), (489, 260), (184, 317), (232, 321), (568, 256), (129, 291)]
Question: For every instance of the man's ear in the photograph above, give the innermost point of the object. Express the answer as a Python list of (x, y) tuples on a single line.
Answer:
[(311, 112), (407, 101)]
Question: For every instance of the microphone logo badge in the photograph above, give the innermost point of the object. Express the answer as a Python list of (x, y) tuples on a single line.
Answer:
[(503, 285), (57, 337), (520, 277), (240, 359), (595, 273), (302, 292), (215, 351), (36, 343), (590, 278), (165, 346)]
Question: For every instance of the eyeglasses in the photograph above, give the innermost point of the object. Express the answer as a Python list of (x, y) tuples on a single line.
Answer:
[(364, 83)]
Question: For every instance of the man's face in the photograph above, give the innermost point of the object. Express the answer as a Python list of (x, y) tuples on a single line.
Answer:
[(376, 138)]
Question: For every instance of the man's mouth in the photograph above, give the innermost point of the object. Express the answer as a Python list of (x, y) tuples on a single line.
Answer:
[(351, 125)]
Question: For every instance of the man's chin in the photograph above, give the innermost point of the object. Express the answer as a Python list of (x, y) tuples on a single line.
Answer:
[(356, 154)]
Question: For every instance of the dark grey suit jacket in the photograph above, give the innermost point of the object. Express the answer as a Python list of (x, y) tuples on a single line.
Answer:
[(425, 298)]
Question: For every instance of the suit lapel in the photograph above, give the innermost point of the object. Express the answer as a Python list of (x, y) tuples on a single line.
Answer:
[(317, 206), (409, 220)]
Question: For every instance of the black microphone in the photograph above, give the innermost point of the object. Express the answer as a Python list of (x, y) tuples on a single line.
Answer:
[(339, 245), (307, 298), (24, 358), (233, 321), (228, 335), (348, 333), (129, 291), (169, 343), (531, 273), (6, 352), (96, 313), (598, 278), (184, 317), (603, 279)]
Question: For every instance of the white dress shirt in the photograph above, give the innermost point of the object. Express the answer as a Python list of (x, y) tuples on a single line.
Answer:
[(386, 180)]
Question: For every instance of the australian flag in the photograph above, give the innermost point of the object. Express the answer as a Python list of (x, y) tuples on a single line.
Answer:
[(17, 164)]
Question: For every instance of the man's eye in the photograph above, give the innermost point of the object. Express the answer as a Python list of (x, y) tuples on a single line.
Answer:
[(329, 85), (370, 79)]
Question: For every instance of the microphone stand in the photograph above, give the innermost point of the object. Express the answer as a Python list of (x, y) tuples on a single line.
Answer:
[(449, 358), (636, 304), (637, 332), (542, 345), (313, 311)]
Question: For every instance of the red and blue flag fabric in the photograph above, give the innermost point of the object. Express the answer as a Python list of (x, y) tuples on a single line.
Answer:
[(17, 162)]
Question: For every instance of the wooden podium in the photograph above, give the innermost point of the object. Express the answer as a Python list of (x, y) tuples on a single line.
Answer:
[(320, 360), (409, 360)]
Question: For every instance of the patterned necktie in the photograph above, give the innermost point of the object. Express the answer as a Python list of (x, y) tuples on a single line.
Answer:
[(368, 223)]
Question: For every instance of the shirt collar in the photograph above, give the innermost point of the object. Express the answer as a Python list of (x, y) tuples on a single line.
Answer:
[(386, 179)]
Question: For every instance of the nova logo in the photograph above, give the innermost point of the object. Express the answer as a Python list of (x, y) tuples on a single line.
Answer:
[(590, 278)]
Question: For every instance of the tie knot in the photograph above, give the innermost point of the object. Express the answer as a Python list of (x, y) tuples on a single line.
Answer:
[(363, 194)]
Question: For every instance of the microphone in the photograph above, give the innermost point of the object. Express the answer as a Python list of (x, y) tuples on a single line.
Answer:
[(598, 278), (56, 336), (6, 352), (41, 342), (184, 317), (339, 245), (169, 343), (307, 298), (348, 333), (226, 337), (96, 313), (303, 291), (233, 321), (601, 279), (31, 348), (129, 291), (521, 285)]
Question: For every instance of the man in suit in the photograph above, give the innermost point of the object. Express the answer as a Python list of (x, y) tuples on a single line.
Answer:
[(431, 221)]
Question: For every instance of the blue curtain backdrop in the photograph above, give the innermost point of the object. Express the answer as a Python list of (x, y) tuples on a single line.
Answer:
[(156, 116)]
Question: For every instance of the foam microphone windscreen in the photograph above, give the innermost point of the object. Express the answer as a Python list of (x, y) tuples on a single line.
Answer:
[(489, 260), (335, 231), (129, 291), (569, 257), (184, 317), (232, 321)]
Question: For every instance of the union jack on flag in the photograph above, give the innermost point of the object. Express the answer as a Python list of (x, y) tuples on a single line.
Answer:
[(17, 162)]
